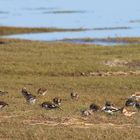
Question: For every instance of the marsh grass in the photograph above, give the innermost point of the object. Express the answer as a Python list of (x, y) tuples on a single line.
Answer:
[(7, 30), (58, 66)]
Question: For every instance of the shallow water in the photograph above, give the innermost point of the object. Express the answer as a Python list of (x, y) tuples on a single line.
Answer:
[(107, 18)]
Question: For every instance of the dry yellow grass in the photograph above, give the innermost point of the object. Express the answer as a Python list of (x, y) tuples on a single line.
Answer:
[(58, 66)]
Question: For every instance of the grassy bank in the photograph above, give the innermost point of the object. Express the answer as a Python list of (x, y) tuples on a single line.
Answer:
[(134, 40), (58, 66), (4, 30)]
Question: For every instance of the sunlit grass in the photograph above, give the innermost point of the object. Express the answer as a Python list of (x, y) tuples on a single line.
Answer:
[(58, 66)]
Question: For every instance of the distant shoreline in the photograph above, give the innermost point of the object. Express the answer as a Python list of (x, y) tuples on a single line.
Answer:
[(10, 30)]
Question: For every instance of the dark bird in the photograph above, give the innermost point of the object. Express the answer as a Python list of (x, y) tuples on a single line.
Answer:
[(2, 42), (130, 102), (42, 91), (3, 104), (57, 100), (49, 105), (94, 107), (137, 105), (31, 99), (28, 96), (24, 92), (108, 104)]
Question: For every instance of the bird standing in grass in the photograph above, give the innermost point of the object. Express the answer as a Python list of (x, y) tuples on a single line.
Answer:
[(3, 104), (42, 91), (28, 96), (24, 92), (57, 100), (135, 96), (109, 108), (50, 105), (74, 95), (86, 112), (94, 107), (31, 99), (130, 102)]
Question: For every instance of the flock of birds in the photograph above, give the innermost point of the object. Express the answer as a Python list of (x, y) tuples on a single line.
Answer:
[(31, 99), (131, 101), (110, 109)]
